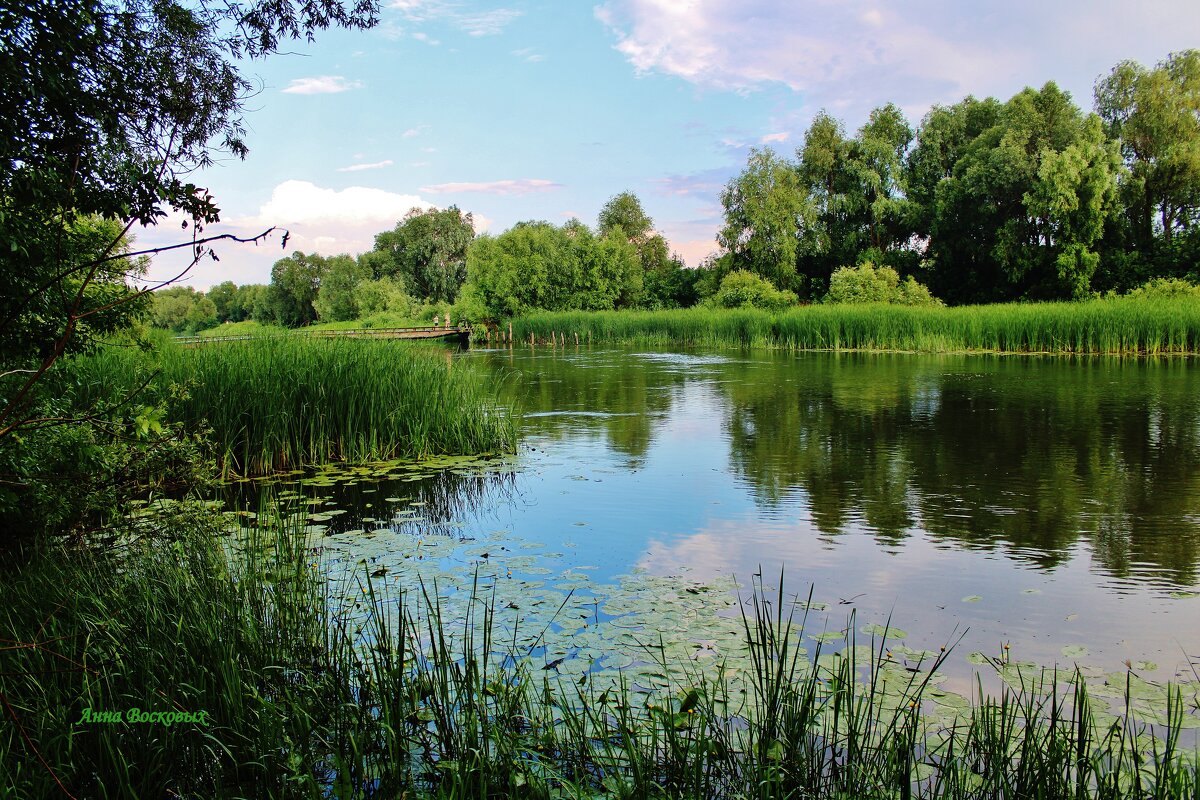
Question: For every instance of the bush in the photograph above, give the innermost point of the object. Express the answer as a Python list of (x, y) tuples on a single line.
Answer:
[(1158, 288), (743, 289), (867, 283)]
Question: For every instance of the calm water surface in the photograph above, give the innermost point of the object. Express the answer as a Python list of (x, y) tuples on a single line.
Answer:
[(1041, 502)]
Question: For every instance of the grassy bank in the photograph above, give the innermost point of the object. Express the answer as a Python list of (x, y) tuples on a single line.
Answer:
[(279, 403), (389, 696), (1113, 326)]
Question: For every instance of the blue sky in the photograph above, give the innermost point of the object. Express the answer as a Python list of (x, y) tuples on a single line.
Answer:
[(543, 110)]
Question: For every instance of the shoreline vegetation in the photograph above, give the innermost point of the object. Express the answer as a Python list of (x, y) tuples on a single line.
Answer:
[(1117, 326), (307, 694), (283, 402), (121, 611)]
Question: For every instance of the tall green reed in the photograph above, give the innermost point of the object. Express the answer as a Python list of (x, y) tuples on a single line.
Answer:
[(377, 690), (283, 402), (1110, 326)]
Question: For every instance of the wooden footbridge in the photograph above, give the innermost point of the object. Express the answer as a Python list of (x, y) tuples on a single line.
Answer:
[(461, 333)]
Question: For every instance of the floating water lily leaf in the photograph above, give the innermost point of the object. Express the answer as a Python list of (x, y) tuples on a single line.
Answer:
[(1183, 595), (1074, 651), (875, 629), (972, 598)]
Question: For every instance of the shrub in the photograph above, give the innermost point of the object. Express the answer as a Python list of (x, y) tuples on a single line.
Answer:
[(743, 289), (867, 283), (1157, 288)]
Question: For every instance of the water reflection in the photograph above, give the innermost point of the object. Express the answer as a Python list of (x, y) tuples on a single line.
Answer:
[(1034, 458)]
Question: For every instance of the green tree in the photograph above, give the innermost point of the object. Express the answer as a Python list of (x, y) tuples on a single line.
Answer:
[(832, 238), (1025, 204), (1155, 115), (429, 250), (625, 211), (385, 295), (170, 307), (295, 281), (107, 108), (202, 315), (765, 209), (337, 298), (876, 164), (224, 296), (536, 265)]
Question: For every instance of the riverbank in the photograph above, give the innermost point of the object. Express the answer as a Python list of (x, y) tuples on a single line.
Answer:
[(1118, 326), (224, 664), (284, 402)]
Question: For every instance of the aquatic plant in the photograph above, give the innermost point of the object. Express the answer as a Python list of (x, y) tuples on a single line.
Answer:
[(1110, 326), (282, 402), (370, 688)]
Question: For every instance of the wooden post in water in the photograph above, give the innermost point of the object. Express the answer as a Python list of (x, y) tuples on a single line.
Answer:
[(577, 338), (510, 332)]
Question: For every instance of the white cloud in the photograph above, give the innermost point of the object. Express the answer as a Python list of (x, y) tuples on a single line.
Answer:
[(304, 203), (505, 187), (317, 219), (413, 132), (361, 167), (471, 22), (487, 23), (851, 55), (322, 84), (528, 54), (782, 136)]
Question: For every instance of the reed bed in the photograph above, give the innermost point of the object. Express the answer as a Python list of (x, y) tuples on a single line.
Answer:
[(1108, 326), (392, 696), (279, 403)]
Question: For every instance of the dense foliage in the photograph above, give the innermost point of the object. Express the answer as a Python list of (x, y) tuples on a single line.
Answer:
[(987, 201), (867, 283), (107, 109)]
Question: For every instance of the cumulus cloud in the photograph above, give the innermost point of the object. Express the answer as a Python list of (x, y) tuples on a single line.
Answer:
[(317, 219), (321, 84), (304, 203), (851, 55), (505, 187), (362, 167), (780, 137)]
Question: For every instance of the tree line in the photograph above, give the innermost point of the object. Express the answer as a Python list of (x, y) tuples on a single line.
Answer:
[(985, 201)]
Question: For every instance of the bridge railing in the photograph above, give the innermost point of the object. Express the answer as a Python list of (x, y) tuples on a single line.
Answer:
[(422, 332)]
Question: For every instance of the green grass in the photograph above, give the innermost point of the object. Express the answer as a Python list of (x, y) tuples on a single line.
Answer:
[(383, 319), (246, 327), (1111, 326), (389, 696), (279, 403)]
